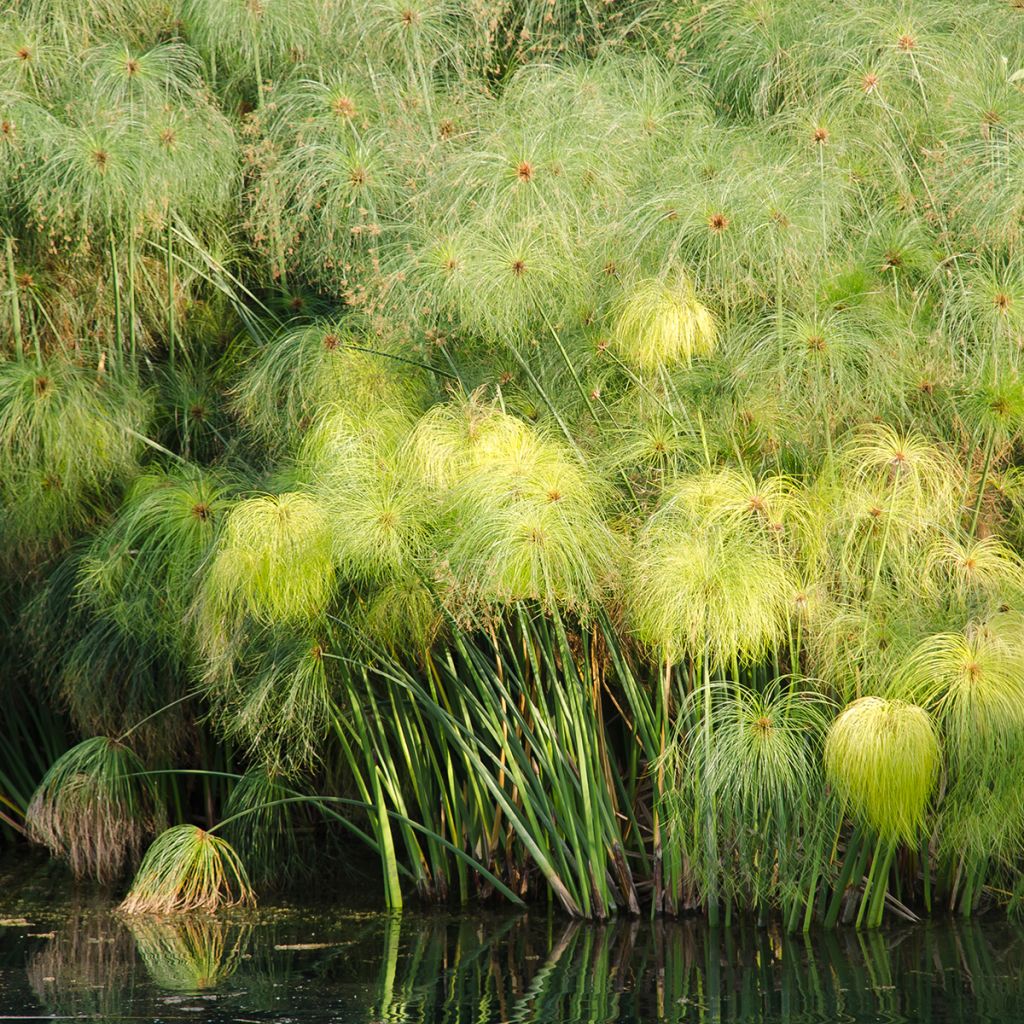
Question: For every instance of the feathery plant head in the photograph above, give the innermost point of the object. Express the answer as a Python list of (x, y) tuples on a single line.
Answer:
[(524, 520), (143, 568), (273, 564), (188, 869), (95, 807), (991, 302), (276, 697), (403, 614), (898, 478), (974, 683), (984, 569), (516, 277), (765, 749), (994, 406), (252, 41), (68, 439), (462, 435), (120, 74), (660, 324), (883, 758), (717, 588), (320, 367)]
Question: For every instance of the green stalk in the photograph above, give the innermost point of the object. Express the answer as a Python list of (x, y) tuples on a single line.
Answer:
[(12, 280), (853, 849), (169, 266), (131, 296), (989, 447), (116, 280)]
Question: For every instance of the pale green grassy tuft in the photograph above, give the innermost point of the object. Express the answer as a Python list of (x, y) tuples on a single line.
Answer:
[(188, 869), (883, 757)]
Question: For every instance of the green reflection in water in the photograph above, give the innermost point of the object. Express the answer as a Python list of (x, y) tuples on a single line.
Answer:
[(295, 964)]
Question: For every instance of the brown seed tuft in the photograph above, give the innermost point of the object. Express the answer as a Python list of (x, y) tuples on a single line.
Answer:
[(201, 511), (524, 172), (518, 268), (344, 107), (718, 222)]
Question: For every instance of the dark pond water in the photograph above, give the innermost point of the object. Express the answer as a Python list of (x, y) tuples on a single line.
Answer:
[(66, 955)]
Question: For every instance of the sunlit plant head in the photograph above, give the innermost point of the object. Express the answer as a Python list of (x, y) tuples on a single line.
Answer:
[(273, 564), (707, 587), (464, 434), (972, 681), (661, 323), (524, 520), (324, 367), (883, 757), (905, 466)]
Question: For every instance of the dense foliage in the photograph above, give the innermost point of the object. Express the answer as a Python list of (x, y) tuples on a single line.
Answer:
[(568, 447)]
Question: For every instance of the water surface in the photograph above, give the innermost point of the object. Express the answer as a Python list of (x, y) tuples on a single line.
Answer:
[(65, 954)]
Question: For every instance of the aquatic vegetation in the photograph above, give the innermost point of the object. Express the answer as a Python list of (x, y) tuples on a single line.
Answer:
[(573, 449), (96, 807), (187, 869), (883, 756)]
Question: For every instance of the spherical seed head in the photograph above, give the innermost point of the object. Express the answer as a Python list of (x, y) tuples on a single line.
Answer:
[(524, 172), (518, 268), (869, 83), (331, 341), (821, 135), (906, 43), (816, 342), (1002, 302), (718, 222), (201, 512), (131, 67), (24, 53), (101, 159)]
